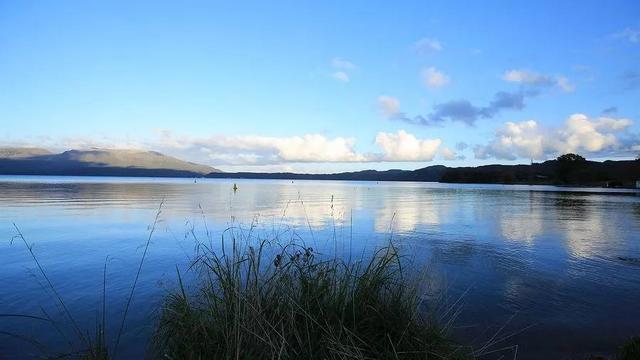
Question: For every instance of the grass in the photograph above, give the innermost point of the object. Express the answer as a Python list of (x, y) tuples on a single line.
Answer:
[(274, 301), (85, 347), (630, 350)]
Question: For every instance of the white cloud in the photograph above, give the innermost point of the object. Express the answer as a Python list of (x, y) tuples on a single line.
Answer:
[(433, 78), (535, 79), (427, 45), (403, 146), (631, 35), (527, 77), (271, 150), (340, 63), (579, 134), (316, 148), (250, 150), (583, 134), (340, 76), (389, 106), (523, 139)]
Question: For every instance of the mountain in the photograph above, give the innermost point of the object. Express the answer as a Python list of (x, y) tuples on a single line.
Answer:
[(107, 162)]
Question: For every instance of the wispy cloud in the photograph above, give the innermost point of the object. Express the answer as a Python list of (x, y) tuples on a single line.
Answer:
[(433, 78), (340, 76), (565, 85), (340, 63), (527, 77), (461, 146), (534, 79), (342, 69), (449, 154), (462, 110), (456, 110), (427, 45), (630, 80), (629, 34), (388, 106)]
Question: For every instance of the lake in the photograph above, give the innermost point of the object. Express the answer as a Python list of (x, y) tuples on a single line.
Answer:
[(558, 268)]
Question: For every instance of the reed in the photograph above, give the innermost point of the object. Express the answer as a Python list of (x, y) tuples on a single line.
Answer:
[(260, 299)]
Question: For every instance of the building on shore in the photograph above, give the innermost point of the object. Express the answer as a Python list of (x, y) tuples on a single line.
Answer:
[(637, 184)]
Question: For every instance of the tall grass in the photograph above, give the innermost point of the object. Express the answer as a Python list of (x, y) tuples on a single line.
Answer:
[(87, 347), (630, 350), (265, 300)]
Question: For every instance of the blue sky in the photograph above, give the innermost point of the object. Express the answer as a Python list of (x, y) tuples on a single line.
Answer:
[(324, 86)]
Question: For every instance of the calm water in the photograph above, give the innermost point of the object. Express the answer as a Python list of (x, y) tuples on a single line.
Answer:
[(562, 264)]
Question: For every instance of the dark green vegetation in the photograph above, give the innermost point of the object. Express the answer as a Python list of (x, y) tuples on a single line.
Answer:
[(569, 169), (630, 350), (292, 305)]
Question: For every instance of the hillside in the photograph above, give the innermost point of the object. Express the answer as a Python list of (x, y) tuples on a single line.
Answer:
[(431, 173), (609, 173), (107, 162), (622, 173)]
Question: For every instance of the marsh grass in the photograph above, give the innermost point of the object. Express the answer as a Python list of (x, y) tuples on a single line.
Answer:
[(630, 350), (81, 344), (261, 299)]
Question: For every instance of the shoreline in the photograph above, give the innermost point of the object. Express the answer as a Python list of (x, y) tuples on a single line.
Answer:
[(566, 188)]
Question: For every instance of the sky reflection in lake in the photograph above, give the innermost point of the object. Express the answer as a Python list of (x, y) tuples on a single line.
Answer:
[(565, 262)]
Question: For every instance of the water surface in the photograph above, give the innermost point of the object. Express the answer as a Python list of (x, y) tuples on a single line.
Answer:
[(562, 265)]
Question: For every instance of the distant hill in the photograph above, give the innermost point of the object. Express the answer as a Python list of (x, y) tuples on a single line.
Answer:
[(609, 173), (569, 169), (431, 173), (98, 162), (622, 173)]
